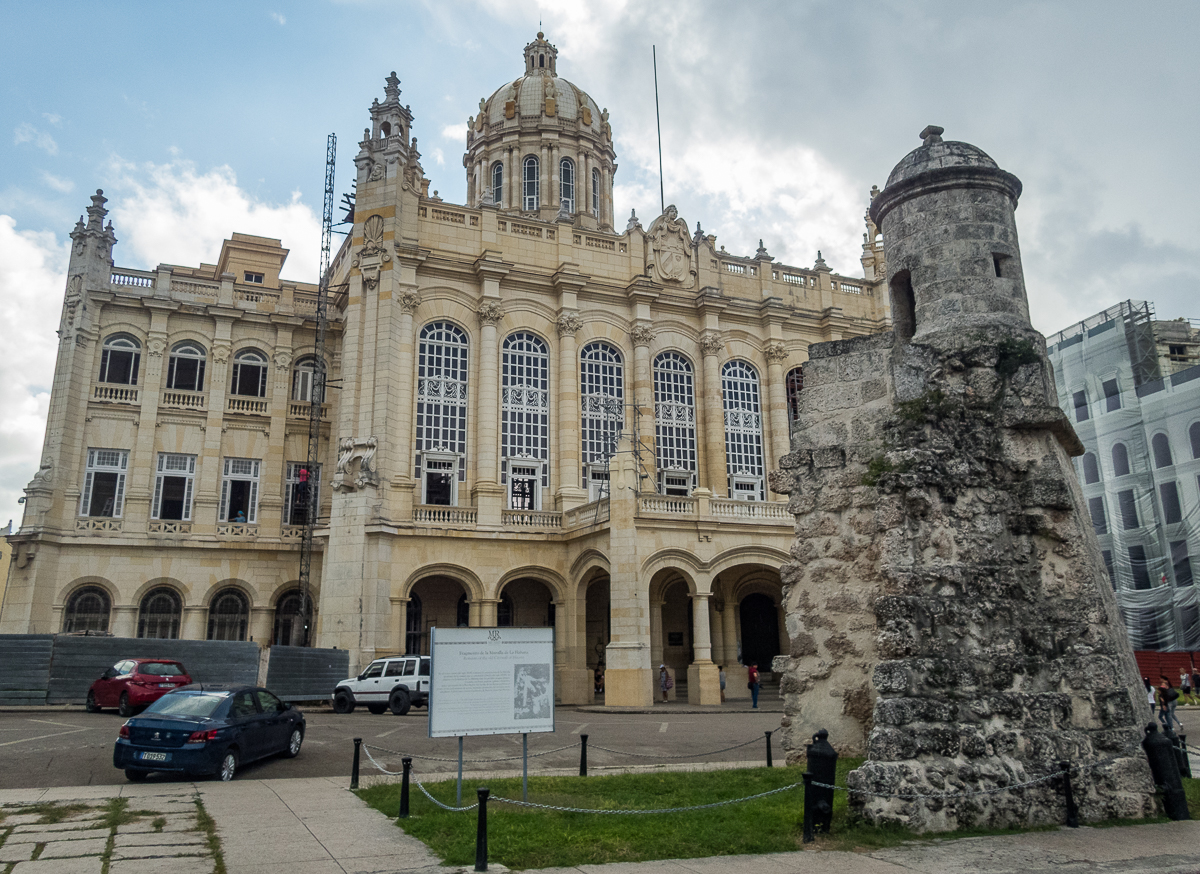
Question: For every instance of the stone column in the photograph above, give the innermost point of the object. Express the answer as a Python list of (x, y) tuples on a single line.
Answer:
[(656, 642), (555, 179), (629, 680), (572, 678), (402, 480), (124, 621), (399, 624), (716, 619), (712, 345), (194, 624), (487, 493), (544, 178), (642, 336), (487, 612), (776, 406), (704, 682), (568, 494), (262, 621)]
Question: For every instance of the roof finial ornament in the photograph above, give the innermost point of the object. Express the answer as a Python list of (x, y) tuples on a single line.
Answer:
[(932, 134), (633, 221)]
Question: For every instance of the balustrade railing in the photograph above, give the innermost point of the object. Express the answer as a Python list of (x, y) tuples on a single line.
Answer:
[(115, 394), (300, 410), (166, 526), (99, 526), (205, 291), (770, 510), (248, 406), (237, 529), (440, 515), (532, 518), (132, 278), (184, 400), (587, 514), (676, 506)]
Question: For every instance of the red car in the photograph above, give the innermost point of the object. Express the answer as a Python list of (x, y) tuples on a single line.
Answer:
[(132, 684)]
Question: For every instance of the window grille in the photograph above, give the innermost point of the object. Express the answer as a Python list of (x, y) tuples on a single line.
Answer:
[(743, 430), (185, 370), (794, 384), (159, 616), (602, 400), (442, 396), (87, 610), (525, 403), (530, 184), (228, 616), (674, 419), (239, 491), (104, 483), (173, 486)]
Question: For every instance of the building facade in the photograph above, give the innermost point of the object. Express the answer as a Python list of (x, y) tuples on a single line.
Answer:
[(1131, 385), (533, 418)]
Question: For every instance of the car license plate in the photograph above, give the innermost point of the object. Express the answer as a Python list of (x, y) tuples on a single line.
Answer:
[(166, 685), (154, 757)]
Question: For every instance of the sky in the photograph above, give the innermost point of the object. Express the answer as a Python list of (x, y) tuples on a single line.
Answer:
[(201, 119)]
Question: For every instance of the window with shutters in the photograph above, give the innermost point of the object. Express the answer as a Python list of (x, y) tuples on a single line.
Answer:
[(674, 423), (525, 419), (173, 486), (104, 483), (441, 444), (602, 403), (743, 431), (239, 491), (304, 375)]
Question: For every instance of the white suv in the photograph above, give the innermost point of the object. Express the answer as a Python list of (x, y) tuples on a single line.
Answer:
[(395, 683)]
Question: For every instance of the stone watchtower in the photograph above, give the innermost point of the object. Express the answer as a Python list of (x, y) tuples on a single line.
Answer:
[(948, 607)]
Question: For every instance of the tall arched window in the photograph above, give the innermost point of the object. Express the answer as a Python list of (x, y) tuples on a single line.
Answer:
[(530, 184), (304, 376), (1091, 468), (228, 615), (497, 183), (602, 400), (120, 359), (525, 419), (441, 412), (566, 183), (87, 610), (743, 431), (674, 423), (794, 384), (249, 374), (185, 370), (160, 613), (1120, 458), (290, 621), (1161, 448), (596, 192)]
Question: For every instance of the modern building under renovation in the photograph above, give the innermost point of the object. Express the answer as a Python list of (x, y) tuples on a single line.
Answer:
[(1130, 384), (539, 413)]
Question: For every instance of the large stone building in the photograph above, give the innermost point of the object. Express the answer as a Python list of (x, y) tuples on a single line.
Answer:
[(533, 418), (1131, 385)]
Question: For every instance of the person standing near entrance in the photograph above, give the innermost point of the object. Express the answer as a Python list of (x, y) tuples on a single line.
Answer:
[(753, 685), (721, 675), (664, 680)]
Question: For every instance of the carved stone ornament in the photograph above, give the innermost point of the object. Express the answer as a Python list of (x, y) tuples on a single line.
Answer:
[(712, 344), (221, 352), (155, 346), (283, 358), (370, 276), (44, 472), (490, 313), (354, 470), (569, 323), (409, 301), (376, 172), (642, 335), (671, 248), (776, 352), (373, 238)]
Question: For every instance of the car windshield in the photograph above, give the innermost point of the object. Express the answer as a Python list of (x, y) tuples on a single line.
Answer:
[(188, 703), (161, 669)]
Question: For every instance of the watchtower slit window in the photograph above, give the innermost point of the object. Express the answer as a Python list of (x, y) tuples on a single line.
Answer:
[(743, 431), (104, 483)]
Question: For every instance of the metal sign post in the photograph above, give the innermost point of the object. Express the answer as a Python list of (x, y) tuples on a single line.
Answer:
[(458, 803), (525, 767)]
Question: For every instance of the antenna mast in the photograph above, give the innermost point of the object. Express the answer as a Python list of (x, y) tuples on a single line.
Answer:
[(662, 200), (311, 475)]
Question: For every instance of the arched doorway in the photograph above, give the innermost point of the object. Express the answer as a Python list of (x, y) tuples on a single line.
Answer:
[(290, 619), (441, 602), (597, 623), (677, 634), (527, 603), (760, 630)]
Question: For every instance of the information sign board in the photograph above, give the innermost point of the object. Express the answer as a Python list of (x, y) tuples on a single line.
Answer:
[(491, 681)]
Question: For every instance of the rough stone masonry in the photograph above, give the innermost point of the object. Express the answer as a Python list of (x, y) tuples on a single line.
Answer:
[(948, 608)]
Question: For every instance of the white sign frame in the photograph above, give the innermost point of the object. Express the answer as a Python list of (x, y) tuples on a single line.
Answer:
[(486, 681)]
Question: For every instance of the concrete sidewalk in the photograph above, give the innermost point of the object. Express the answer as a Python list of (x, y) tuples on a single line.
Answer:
[(316, 826)]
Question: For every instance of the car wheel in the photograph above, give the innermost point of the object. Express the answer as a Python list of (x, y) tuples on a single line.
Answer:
[(134, 776), (377, 708), (90, 704), (294, 740), (343, 702), (123, 706), (399, 702), (229, 765)]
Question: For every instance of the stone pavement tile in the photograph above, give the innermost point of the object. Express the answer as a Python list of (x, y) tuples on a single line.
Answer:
[(152, 839), (662, 866), (183, 865), (282, 854), (392, 864), (173, 824), (321, 866), (21, 796), (79, 793), (57, 827), (82, 865), (11, 852), (159, 852), (62, 849), (68, 835), (22, 819)]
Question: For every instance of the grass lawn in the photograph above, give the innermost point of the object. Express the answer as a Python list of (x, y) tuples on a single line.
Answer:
[(530, 838)]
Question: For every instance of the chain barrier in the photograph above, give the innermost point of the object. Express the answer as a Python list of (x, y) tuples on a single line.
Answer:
[(650, 810), (472, 761), (412, 773), (684, 756)]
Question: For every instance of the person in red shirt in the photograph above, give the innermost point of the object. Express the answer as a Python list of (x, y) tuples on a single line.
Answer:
[(753, 685)]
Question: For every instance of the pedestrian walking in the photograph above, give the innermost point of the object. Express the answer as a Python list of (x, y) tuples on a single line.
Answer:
[(1185, 688), (1168, 696), (721, 674), (1151, 696), (664, 681), (752, 685)]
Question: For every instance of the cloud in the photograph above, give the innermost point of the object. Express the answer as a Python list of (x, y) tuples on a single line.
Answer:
[(456, 132), (174, 214), (439, 157), (53, 117), (279, 19), (32, 278), (63, 186), (27, 133)]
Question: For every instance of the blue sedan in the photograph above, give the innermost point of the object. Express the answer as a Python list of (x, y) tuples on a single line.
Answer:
[(208, 729)]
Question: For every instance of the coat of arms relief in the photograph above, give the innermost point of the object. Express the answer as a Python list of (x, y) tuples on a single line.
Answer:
[(671, 250)]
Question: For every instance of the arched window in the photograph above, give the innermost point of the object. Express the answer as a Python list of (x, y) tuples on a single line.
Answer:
[(1161, 448), (249, 374), (743, 431), (160, 614), (674, 423), (414, 626), (1120, 458), (120, 359), (441, 412), (530, 184), (525, 419), (506, 612), (602, 400), (290, 620), (228, 615), (304, 379), (794, 384), (87, 610), (497, 183), (566, 183), (185, 370), (462, 613), (1091, 468), (596, 192)]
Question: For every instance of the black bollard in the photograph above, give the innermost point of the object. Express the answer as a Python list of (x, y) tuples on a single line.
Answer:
[(822, 765), (808, 810), (407, 762), (768, 734), (1184, 759), (1072, 807), (583, 755), (354, 768), (1164, 767), (481, 830), (1180, 753)]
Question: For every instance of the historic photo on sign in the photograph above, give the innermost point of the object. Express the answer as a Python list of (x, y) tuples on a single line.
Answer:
[(531, 691)]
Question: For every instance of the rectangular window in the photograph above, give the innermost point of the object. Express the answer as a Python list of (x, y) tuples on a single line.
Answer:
[(1128, 505), (439, 485), (256, 278), (173, 487), (1081, 407), (1181, 563), (104, 483), (1112, 395), (1099, 520), (1169, 493), (597, 481), (524, 492), (677, 486), (239, 491), (299, 484), (1138, 567)]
